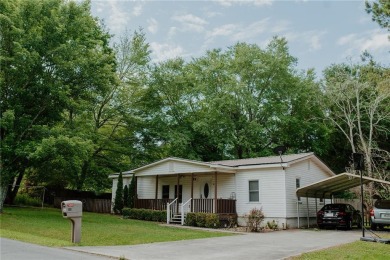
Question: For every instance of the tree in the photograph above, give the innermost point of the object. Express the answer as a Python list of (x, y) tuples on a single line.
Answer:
[(55, 57), (380, 10), (359, 106), (132, 191), (126, 196), (118, 202)]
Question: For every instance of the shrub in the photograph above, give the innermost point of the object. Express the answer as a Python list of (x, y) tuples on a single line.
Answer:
[(118, 202), (191, 219), (145, 214), (26, 200), (201, 219), (254, 219), (212, 221), (272, 225)]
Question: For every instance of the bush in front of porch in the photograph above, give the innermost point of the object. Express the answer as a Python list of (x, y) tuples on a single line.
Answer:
[(145, 214), (200, 219)]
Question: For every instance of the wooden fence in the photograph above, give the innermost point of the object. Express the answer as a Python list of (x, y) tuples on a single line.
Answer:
[(90, 205)]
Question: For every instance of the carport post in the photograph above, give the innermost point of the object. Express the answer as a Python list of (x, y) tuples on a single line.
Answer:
[(361, 198), (308, 213), (298, 211)]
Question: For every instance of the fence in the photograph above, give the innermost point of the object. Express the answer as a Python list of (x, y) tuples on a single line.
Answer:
[(90, 205)]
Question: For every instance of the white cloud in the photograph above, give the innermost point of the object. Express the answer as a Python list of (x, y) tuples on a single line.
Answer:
[(118, 18), (229, 3), (163, 51), (190, 22), (224, 30), (251, 30), (372, 41), (152, 25), (313, 39), (137, 10)]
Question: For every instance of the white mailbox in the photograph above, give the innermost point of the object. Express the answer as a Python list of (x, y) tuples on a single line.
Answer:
[(73, 210)]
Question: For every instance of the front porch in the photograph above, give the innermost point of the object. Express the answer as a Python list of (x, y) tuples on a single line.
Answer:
[(179, 194)]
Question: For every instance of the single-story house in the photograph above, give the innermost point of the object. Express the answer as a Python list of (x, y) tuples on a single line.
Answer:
[(231, 187)]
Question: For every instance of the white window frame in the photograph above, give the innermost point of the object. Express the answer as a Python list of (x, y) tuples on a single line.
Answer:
[(251, 191)]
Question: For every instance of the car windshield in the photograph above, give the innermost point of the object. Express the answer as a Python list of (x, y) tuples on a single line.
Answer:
[(382, 204), (333, 207)]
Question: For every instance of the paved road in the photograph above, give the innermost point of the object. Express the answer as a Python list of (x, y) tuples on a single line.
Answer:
[(16, 250), (272, 245)]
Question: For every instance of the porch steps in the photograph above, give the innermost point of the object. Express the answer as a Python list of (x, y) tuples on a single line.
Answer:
[(176, 219)]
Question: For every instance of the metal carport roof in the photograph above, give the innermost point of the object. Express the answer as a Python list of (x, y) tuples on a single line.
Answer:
[(327, 187)]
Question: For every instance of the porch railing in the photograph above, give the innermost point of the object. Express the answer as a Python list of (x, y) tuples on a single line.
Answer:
[(207, 205), (159, 204), (185, 208), (171, 210), (198, 205)]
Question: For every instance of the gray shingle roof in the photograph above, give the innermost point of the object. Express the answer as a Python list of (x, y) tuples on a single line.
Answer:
[(262, 160)]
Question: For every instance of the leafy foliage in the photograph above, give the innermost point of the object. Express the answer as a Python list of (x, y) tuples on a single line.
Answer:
[(125, 196), (145, 214), (118, 202)]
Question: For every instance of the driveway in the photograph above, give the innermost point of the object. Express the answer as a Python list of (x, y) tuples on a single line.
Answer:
[(271, 245), (16, 250)]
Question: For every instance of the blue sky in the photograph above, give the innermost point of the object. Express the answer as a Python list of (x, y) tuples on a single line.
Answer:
[(319, 33)]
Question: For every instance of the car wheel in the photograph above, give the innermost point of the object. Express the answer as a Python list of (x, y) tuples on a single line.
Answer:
[(381, 227), (373, 226)]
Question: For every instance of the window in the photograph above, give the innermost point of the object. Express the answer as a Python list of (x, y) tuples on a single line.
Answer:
[(253, 191), (165, 191), (298, 185), (180, 197)]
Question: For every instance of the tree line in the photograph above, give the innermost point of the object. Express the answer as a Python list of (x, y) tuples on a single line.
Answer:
[(74, 109)]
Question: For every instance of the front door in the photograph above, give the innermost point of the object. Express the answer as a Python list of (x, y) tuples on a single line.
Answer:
[(205, 189)]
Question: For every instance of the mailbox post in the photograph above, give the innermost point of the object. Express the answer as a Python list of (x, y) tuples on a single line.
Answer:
[(73, 210)]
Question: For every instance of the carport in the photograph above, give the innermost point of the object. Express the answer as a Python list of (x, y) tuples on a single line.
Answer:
[(328, 187)]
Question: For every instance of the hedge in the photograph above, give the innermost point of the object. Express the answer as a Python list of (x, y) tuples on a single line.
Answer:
[(145, 214), (200, 219)]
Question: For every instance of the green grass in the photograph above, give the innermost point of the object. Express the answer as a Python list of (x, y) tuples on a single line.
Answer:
[(355, 250), (48, 227)]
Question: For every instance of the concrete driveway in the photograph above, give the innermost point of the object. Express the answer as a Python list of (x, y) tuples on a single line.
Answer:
[(17, 250), (271, 245)]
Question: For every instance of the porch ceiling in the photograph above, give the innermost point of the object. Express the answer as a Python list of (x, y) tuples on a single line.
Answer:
[(326, 188)]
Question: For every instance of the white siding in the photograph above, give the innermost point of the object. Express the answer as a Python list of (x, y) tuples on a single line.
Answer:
[(308, 172), (146, 187), (172, 167), (272, 194)]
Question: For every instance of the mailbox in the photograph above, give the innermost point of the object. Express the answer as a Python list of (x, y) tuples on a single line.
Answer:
[(73, 210)]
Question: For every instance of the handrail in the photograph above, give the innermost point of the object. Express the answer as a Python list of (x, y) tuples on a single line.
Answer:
[(182, 211), (169, 210)]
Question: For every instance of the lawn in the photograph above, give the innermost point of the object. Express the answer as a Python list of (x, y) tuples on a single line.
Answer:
[(48, 227), (355, 250)]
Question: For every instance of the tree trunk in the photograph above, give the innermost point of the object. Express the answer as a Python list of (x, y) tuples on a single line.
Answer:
[(83, 176), (12, 192), (3, 194)]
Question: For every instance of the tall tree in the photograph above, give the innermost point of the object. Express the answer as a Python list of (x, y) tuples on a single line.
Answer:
[(380, 11), (118, 202), (55, 57), (132, 191), (359, 106)]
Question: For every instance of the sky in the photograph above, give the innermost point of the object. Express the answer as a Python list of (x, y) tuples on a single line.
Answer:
[(319, 33)]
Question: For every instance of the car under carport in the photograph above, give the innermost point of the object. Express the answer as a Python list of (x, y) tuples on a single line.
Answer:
[(327, 188)]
